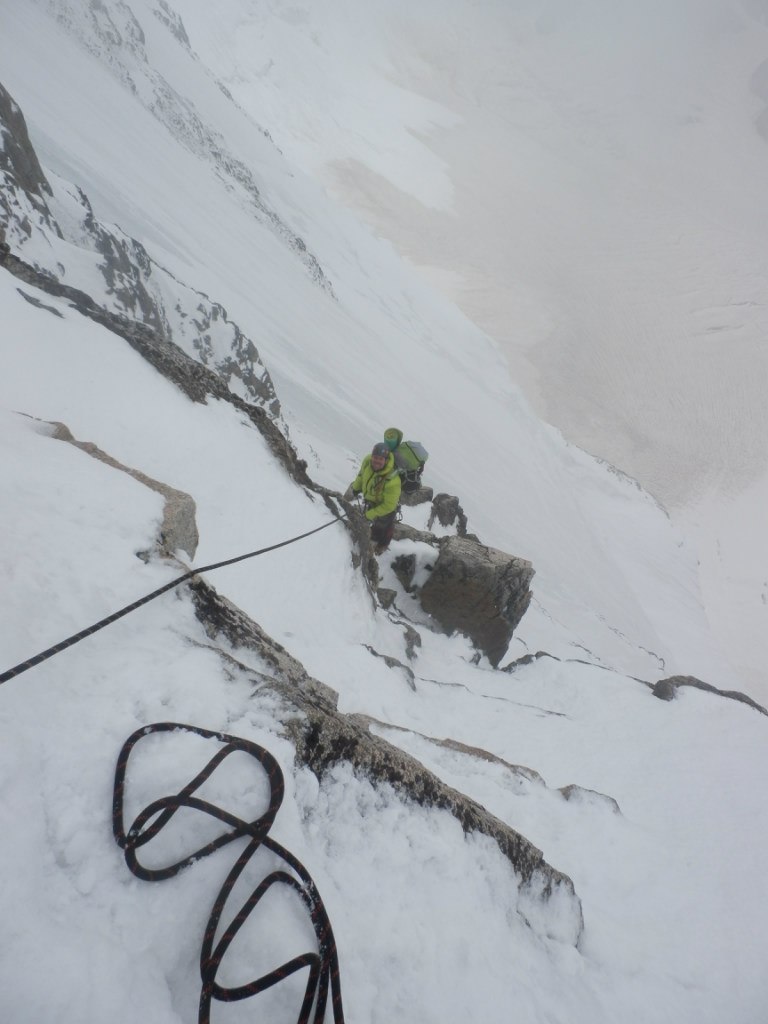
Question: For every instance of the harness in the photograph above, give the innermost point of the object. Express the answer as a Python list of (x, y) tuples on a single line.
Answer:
[(377, 488)]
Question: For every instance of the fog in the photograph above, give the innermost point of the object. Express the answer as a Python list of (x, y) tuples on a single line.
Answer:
[(608, 227), (587, 182)]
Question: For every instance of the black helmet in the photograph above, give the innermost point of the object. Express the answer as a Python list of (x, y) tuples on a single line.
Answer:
[(380, 449)]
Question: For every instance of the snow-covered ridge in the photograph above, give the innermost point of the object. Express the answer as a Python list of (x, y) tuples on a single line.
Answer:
[(117, 39), (52, 222)]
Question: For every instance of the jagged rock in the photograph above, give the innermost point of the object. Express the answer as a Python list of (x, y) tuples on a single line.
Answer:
[(24, 188), (516, 769), (140, 289), (199, 383), (525, 659), (17, 155), (479, 591), (136, 286), (589, 796), (324, 737), (666, 689), (178, 531), (386, 596), (412, 637), (115, 36), (173, 22), (404, 567), (412, 640), (34, 301), (448, 512), (403, 531), (391, 662), (418, 497), (359, 529), (195, 380)]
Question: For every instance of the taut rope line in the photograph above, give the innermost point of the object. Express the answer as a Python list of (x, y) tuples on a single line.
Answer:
[(64, 644)]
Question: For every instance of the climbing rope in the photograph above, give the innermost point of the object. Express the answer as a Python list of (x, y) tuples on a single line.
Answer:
[(44, 655), (323, 965)]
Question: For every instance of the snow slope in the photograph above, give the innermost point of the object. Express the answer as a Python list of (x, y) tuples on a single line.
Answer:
[(588, 185), (669, 875)]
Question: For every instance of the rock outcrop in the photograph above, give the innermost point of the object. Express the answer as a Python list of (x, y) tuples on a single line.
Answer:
[(324, 737), (24, 188), (471, 588), (128, 281), (447, 511), (17, 155), (418, 497), (178, 530), (480, 591), (666, 689), (194, 379)]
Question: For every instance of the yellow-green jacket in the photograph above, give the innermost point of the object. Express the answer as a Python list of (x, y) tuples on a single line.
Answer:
[(380, 490)]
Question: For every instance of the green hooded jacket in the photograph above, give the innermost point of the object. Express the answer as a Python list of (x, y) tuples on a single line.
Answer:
[(380, 490)]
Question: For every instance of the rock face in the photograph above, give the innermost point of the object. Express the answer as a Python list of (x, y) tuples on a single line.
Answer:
[(419, 497), (17, 157), (24, 189), (178, 530), (323, 737), (134, 285), (471, 588), (666, 689), (480, 591)]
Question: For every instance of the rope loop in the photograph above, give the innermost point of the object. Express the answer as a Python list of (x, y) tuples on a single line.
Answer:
[(322, 964)]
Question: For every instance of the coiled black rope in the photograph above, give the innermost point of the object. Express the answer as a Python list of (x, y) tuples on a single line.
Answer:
[(64, 644), (323, 965)]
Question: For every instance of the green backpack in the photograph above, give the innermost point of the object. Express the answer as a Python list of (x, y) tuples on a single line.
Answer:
[(410, 457)]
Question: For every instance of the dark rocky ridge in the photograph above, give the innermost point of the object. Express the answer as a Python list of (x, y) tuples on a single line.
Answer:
[(136, 286), (17, 155), (116, 37), (323, 737), (666, 689)]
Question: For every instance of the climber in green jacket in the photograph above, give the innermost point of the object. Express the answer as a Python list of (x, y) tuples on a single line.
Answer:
[(379, 483)]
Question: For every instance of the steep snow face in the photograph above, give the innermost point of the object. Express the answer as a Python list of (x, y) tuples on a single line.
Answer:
[(588, 186), (654, 809), (375, 347), (662, 829)]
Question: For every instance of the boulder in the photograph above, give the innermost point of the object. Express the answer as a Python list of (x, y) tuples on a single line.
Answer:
[(479, 591), (418, 497), (386, 596), (666, 689), (404, 567)]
